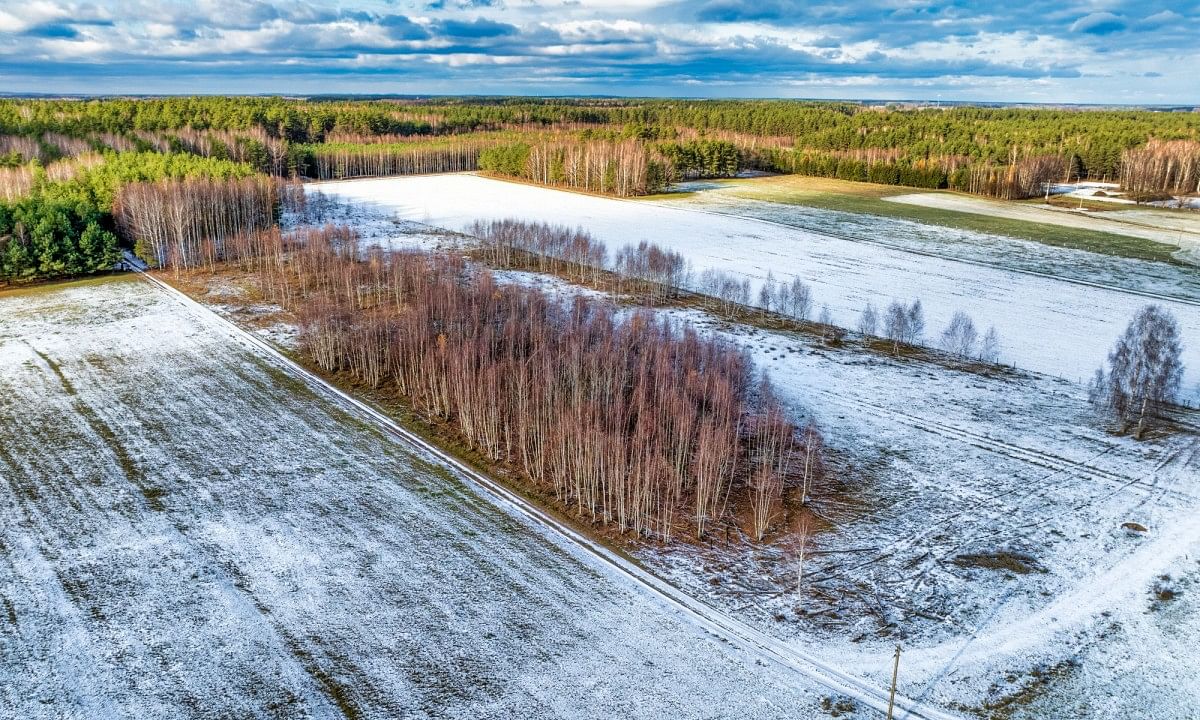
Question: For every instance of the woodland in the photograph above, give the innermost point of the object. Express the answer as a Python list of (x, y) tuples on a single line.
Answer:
[(634, 422), (630, 421), (64, 163)]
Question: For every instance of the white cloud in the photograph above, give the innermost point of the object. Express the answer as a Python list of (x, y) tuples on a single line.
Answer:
[(619, 45)]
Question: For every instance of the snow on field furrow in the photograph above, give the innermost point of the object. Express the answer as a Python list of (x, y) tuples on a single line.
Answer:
[(952, 464), (1045, 324), (101, 557), (209, 538), (1050, 485), (1159, 227)]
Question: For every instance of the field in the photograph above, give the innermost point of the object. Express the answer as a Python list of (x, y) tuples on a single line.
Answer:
[(1046, 324), (982, 527), (980, 519), (193, 529), (946, 210), (1160, 272), (174, 485), (1160, 226)]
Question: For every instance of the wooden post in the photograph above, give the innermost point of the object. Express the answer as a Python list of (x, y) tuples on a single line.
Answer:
[(895, 673)]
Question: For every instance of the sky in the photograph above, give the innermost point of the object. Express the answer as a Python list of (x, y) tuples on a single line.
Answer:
[(1052, 51)]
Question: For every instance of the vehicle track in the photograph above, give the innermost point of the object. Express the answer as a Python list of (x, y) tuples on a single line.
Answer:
[(1017, 452), (760, 644), (1078, 471)]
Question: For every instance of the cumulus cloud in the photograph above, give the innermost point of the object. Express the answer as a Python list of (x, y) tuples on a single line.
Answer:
[(1100, 23), (477, 28), (752, 47)]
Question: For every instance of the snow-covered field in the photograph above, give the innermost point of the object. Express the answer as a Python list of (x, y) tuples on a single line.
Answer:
[(1146, 277), (983, 528), (1181, 230), (187, 530), (1046, 324), (947, 470)]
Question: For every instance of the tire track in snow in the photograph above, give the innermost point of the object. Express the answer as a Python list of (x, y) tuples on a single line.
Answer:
[(701, 615), (1016, 452), (1056, 464)]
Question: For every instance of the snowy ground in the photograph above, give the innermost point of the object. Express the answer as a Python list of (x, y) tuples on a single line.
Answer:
[(1046, 324), (186, 530), (982, 527), (1187, 222), (949, 467), (997, 251), (947, 470), (1181, 230)]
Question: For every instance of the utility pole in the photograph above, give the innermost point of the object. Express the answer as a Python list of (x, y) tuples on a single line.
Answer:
[(895, 674)]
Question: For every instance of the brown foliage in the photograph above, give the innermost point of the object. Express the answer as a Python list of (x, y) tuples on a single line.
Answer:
[(383, 159), (185, 223), (644, 271), (1022, 177), (631, 420), (1162, 166), (618, 167)]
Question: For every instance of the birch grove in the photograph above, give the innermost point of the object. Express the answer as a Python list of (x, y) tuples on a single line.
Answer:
[(185, 223), (338, 161), (629, 420), (1162, 166)]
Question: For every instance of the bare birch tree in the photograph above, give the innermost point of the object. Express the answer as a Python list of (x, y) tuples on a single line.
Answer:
[(989, 347), (1144, 373), (960, 336), (868, 322)]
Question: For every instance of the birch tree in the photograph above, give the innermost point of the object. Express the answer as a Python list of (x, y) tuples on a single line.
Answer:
[(1144, 372)]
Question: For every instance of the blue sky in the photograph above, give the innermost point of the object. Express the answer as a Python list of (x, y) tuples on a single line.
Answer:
[(1027, 51)]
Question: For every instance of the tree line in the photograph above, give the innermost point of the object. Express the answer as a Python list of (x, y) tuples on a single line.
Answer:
[(185, 223), (652, 275), (618, 167), (63, 152), (53, 238), (994, 151), (58, 221), (332, 161), (1162, 166), (1134, 391)]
